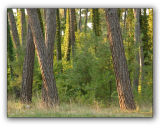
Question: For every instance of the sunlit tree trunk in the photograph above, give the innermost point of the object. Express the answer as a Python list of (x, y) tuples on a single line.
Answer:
[(126, 99), (67, 37), (23, 27), (28, 66), (42, 52), (13, 27)]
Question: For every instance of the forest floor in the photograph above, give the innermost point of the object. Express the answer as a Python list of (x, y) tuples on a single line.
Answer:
[(16, 109)]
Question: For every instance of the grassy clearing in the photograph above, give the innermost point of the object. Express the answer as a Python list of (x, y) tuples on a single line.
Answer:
[(36, 109)]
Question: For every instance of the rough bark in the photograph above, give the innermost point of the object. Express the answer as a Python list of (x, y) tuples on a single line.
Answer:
[(58, 36), (28, 66), (23, 28), (13, 27), (72, 30), (50, 31), (126, 99), (137, 43), (44, 62)]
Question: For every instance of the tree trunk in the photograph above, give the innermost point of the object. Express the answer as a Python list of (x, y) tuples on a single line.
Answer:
[(58, 36), (72, 30), (50, 31), (28, 66), (23, 28), (80, 19), (13, 27), (124, 24), (137, 43), (44, 62), (86, 19), (67, 37), (65, 10), (126, 99), (75, 20)]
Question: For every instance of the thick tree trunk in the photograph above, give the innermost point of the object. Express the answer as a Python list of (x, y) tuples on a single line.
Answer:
[(28, 66), (137, 42), (50, 31), (47, 73), (72, 30), (13, 27), (58, 36), (126, 100), (23, 28)]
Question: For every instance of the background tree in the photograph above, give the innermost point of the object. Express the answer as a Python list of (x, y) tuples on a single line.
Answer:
[(58, 36), (72, 30), (13, 28), (23, 28), (27, 77), (67, 37)]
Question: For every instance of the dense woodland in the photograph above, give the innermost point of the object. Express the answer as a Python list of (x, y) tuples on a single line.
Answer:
[(86, 56)]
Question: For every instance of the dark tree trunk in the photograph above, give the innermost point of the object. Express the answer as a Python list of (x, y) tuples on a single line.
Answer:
[(137, 41), (86, 19), (23, 28), (41, 21), (96, 21), (42, 52), (80, 19), (65, 11), (126, 99), (58, 37), (28, 66), (50, 31), (75, 19), (68, 51), (72, 30), (13, 27)]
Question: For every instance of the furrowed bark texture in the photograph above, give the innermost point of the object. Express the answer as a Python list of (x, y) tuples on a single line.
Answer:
[(126, 99), (28, 66), (50, 31), (47, 73)]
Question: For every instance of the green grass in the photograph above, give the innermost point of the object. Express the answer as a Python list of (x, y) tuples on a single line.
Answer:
[(36, 109)]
